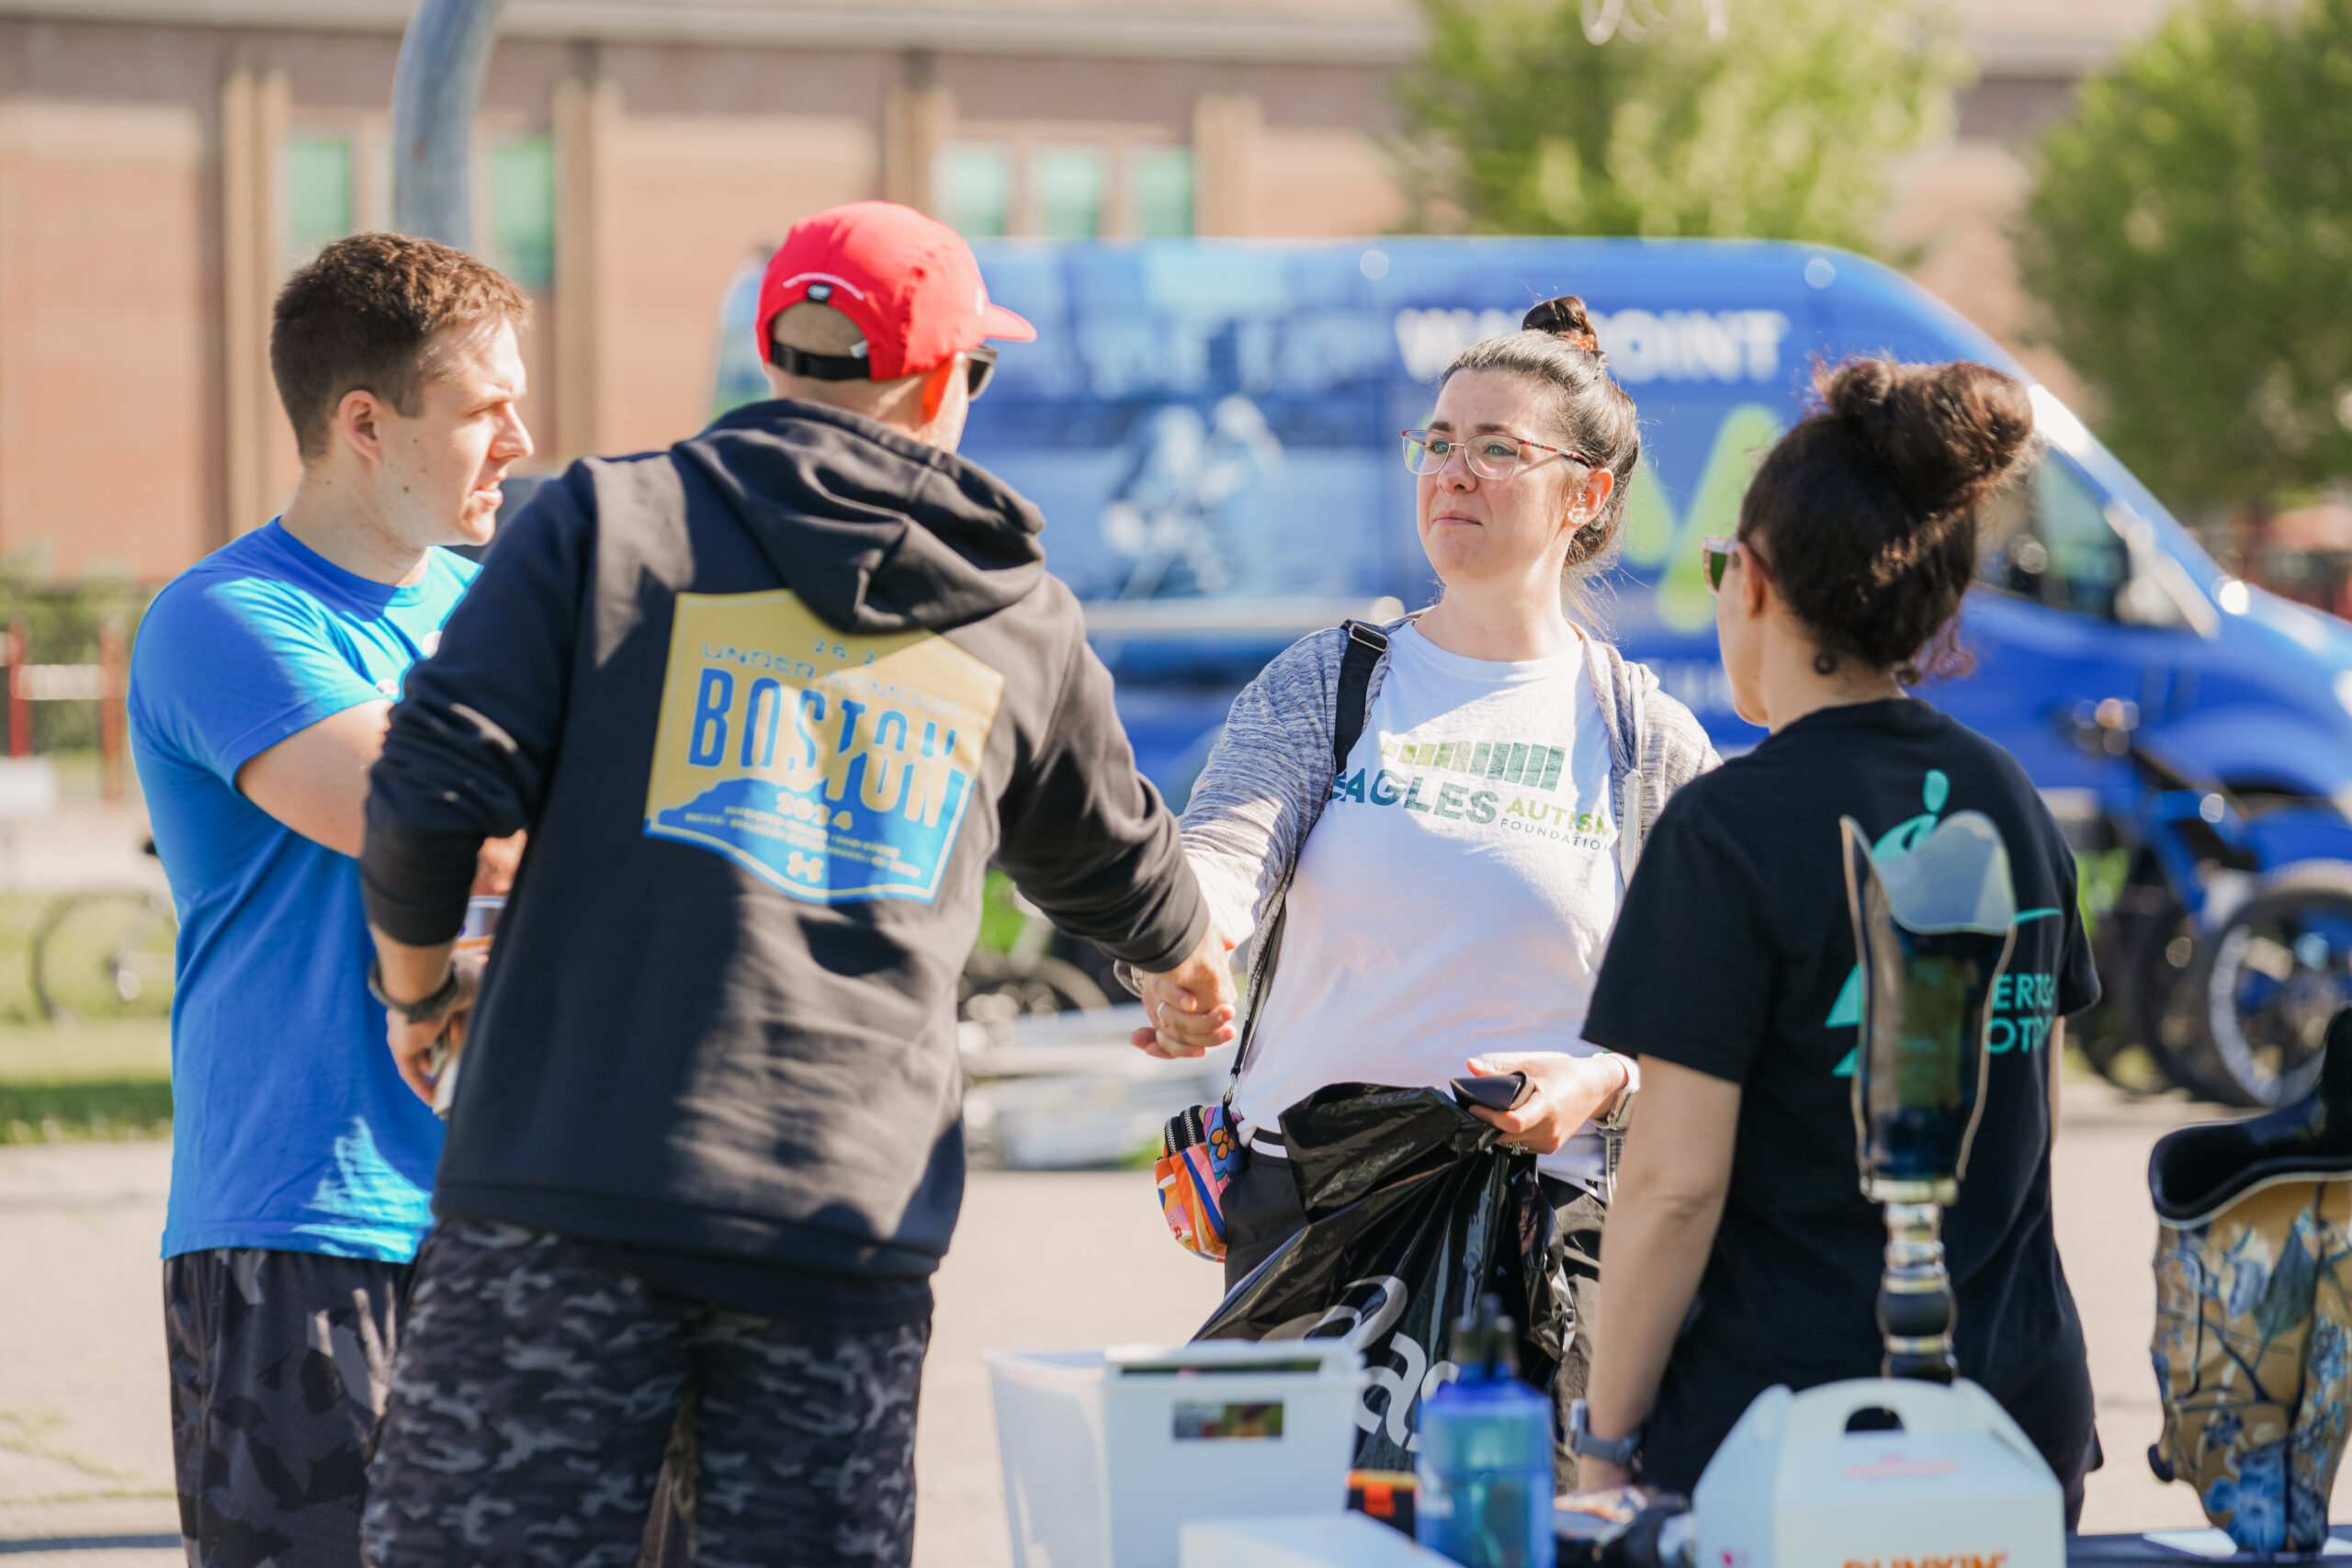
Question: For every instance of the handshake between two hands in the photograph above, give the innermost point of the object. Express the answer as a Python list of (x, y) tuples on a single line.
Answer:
[(1192, 1007)]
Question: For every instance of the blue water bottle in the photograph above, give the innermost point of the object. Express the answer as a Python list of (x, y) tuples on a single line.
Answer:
[(1485, 1460)]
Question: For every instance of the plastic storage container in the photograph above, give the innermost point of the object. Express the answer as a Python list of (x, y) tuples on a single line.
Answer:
[(1107, 1453), (1348, 1540)]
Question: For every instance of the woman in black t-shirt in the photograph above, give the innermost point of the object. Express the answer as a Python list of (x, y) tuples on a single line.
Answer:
[(1740, 1252)]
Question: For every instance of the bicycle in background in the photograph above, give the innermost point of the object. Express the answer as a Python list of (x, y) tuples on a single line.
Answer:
[(2229, 942), (106, 954)]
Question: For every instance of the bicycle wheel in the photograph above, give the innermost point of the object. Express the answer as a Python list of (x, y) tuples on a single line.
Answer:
[(997, 987), (105, 955), (2263, 987)]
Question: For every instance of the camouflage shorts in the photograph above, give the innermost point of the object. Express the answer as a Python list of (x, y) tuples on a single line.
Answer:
[(541, 1384), (279, 1365)]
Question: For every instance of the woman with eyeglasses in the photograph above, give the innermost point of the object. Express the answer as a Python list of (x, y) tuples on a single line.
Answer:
[(1741, 1253), (1444, 900)]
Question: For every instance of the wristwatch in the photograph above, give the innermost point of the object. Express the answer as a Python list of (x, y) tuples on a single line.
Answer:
[(1619, 1116), (425, 1010), (1619, 1451)]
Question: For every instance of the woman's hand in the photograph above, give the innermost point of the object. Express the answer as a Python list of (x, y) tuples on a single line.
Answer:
[(1565, 1092), (1192, 1006)]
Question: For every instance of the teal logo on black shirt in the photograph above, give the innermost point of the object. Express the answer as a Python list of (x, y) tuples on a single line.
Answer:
[(2022, 1004)]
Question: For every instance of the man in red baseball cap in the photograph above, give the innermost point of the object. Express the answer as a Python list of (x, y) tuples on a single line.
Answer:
[(908, 284), (770, 703)]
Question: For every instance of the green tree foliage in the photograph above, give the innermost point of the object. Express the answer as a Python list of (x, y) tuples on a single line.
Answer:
[(2189, 236), (1781, 122)]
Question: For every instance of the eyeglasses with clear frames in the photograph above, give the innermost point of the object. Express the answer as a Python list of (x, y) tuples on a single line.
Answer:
[(1493, 455)]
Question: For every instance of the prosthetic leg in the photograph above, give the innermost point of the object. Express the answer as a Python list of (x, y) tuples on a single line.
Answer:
[(2253, 1348)]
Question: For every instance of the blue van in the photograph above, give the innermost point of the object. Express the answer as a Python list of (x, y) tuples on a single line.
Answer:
[(1211, 430)]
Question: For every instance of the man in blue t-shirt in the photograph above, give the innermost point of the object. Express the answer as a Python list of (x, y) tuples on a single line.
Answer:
[(260, 687)]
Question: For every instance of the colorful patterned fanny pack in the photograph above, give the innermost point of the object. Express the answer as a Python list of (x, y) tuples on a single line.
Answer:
[(1199, 1155)]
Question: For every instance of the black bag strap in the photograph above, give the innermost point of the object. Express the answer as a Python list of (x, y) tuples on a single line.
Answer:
[(1365, 644), (1351, 709)]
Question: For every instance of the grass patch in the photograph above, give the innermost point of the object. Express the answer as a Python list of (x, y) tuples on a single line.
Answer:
[(81, 1112), (132, 1048), (103, 1079), (108, 1075)]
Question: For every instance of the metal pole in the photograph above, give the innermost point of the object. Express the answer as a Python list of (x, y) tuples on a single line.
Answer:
[(114, 690), (435, 89), (20, 696)]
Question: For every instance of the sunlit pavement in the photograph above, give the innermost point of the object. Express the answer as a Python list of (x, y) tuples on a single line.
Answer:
[(1040, 1262), (86, 1451)]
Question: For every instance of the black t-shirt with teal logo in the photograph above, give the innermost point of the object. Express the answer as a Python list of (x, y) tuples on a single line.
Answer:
[(1734, 956)]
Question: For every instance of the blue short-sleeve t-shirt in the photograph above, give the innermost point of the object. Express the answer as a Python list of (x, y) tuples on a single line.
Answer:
[(290, 1127)]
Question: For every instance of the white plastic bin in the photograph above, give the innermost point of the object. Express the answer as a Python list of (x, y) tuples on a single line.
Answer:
[(1323, 1540), (1106, 1453)]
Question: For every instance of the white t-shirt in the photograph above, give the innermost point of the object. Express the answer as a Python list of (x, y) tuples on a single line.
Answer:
[(1455, 896)]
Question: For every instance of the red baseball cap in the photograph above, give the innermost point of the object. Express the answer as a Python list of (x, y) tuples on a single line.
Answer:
[(909, 282)]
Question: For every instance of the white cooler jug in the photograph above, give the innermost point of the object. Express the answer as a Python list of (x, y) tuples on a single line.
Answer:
[(1959, 1485)]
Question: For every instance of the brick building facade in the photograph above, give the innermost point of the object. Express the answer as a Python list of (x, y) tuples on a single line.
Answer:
[(164, 162)]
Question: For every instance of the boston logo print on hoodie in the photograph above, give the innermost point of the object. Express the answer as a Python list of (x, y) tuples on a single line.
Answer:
[(832, 765)]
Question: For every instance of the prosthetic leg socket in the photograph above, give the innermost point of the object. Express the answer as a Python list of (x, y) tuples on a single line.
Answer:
[(2252, 1350)]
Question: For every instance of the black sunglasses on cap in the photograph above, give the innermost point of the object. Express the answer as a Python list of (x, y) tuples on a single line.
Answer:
[(979, 365)]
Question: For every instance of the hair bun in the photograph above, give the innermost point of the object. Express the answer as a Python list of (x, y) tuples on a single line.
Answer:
[(1945, 433), (1563, 317)]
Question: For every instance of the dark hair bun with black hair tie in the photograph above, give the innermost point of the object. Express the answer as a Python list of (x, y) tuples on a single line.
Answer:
[(1945, 435), (1866, 512), (1563, 317)]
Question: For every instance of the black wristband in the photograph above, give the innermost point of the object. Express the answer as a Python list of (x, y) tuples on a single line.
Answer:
[(425, 1010), (1619, 1451)]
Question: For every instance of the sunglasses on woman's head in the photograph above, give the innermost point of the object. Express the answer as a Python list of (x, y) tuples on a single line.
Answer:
[(1717, 553)]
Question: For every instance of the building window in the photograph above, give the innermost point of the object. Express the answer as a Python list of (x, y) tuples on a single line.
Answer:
[(318, 194), (1161, 179), (975, 188), (522, 210), (1068, 184)]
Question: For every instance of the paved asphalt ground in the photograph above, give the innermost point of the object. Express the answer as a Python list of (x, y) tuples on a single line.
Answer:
[(1042, 1261)]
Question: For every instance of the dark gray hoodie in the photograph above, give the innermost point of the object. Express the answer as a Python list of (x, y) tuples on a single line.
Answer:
[(768, 702)]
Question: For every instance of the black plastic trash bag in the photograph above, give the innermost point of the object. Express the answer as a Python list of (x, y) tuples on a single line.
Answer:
[(1413, 1213)]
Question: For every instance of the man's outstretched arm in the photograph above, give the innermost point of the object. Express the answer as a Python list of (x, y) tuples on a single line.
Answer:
[(1089, 840), (466, 757)]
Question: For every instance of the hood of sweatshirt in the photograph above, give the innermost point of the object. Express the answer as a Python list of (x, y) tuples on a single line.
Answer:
[(875, 531)]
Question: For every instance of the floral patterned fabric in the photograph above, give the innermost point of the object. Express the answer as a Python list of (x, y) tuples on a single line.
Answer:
[(1199, 1158), (2253, 1353)]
